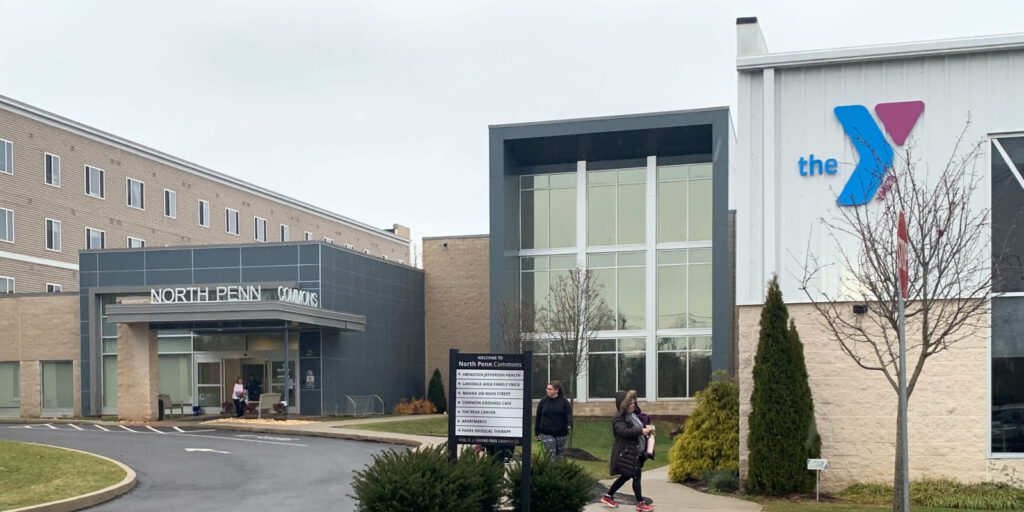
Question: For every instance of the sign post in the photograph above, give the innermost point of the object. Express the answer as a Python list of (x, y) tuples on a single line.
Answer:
[(489, 404), (902, 242), (817, 465)]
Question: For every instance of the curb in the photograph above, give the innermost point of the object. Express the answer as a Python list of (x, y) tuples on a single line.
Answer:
[(90, 499), (317, 433)]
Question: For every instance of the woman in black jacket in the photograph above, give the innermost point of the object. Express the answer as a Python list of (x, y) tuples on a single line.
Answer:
[(554, 419), (627, 453)]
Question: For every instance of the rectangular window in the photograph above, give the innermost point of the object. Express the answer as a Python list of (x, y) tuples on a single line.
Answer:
[(95, 239), (10, 391), (684, 366), (684, 289), (616, 202), (6, 225), (285, 235), (58, 385), (620, 277), (6, 284), (308, 235), (136, 243), (615, 365), (684, 203), (51, 164), (204, 213), (548, 210), (350, 247), (170, 204), (329, 240), (135, 193), (548, 366), (537, 275), (53, 288), (1007, 196), (231, 221), (259, 228), (94, 181), (6, 157), (53, 235)]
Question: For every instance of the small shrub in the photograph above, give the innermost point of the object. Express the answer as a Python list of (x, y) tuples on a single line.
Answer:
[(416, 406), (942, 493), (435, 392), (722, 480), (426, 481), (711, 437), (867, 494), (556, 484)]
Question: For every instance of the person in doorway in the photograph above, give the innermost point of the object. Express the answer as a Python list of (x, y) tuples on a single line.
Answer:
[(554, 420), (628, 456), (238, 395), (252, 388)]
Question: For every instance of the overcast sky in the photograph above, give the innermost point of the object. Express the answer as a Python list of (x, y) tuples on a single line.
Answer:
[(379, 110)]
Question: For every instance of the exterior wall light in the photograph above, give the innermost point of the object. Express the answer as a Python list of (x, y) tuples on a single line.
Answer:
[(860, 309)]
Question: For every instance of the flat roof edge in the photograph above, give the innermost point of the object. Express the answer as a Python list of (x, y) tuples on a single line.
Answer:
[(956, 46), (606, 118)]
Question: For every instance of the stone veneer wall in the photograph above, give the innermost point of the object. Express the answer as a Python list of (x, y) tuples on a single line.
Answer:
[(855, 409), (37, 328), (456, 299)]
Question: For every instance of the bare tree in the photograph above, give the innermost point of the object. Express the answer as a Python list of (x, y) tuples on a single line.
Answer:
[(574, 313), (950, 270), (516, 320)]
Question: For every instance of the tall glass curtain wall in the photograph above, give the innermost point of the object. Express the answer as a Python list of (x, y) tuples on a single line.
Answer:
[(1007, 427), (667, 356)]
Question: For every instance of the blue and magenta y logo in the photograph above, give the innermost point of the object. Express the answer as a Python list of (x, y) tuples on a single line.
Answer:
[(873, 150)]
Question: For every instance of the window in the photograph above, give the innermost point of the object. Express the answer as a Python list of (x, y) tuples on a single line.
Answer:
[(548, 366), (53, 235), (204, 213), (95, 239), (350, 247), (367, 251), (400, 262), (174, 359), (10, 392), (616, 202), (684, 366), (6, 284), (684, 203), (6, 225), (6, 157), (136, 243), (617, 364), (285, 235), (259, 229), (170, 204), (53, 288), (548, 205), (537, 275), (51, 164), (58, 387), (684, 289), (93, 182), (135, 192), (329, 240), (620, 277), (384, 257), (308, 235), (231, 221)]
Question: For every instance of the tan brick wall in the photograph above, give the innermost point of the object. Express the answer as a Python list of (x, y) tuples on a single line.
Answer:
[(456, 299), (137, 381), (35, 329), (33, 201), (855, 409)]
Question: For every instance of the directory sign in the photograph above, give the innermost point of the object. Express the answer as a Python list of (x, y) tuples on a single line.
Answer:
[(490, 399)]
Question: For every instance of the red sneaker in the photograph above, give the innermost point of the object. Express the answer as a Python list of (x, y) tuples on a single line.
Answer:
[(608, 501), (643, 507)]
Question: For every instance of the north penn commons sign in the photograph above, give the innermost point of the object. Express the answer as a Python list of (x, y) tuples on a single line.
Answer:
[(230, 293)]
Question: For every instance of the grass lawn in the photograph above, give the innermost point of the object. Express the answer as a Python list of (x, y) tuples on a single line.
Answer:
[(591, 434), (32, 474), (779, 505)]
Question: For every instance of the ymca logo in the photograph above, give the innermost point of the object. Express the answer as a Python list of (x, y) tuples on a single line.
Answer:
[(875, 155)]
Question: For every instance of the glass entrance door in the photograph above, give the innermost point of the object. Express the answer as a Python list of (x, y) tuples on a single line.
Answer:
[(209, 383)]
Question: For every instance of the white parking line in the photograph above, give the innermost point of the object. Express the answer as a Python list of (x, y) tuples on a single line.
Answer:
[(101, 427), (51, 426), (76, 427), (155, 430), (128, 429), (178, 429)]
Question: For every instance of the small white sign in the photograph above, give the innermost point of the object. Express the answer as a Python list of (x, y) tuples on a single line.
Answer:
[(817, 464)]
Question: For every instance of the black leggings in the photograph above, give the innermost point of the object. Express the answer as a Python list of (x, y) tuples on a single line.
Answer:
[(636, 483), (239, 408)]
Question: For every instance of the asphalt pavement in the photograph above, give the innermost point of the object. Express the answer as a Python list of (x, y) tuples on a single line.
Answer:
[(203, 469)]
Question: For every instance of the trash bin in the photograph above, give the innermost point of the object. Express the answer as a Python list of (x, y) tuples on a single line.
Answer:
[(160, 409), (197, 410)]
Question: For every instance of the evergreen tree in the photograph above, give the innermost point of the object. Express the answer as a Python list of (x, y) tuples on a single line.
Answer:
[(782, 433), (435, 392), (711, 436)]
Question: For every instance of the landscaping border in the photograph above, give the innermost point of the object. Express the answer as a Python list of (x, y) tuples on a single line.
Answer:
[(89, 499)]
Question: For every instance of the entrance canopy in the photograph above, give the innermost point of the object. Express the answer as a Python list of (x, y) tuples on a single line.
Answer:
[(234, 312)]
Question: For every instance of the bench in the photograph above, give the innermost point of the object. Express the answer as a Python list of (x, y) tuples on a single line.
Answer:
[(267, 401), (171, 405)]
